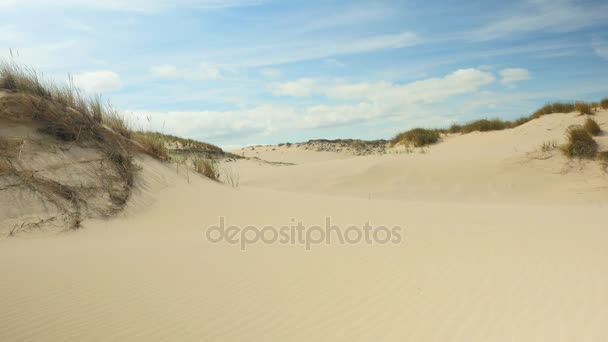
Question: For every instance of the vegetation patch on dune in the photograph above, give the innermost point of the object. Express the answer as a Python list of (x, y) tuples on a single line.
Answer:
[(421, 137), (207, 167), (592, 127), (417, 137), (583, 108), (552, 108), (485, 125), (77, 153), (580, 143)]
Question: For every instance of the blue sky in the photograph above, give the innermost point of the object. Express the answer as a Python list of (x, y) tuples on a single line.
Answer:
[(241, 72)]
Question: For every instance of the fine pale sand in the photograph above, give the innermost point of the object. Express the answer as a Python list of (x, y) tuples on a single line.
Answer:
[(501, 242)]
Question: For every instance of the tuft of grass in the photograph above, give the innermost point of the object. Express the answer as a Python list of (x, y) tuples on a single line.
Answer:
[(153, 145), (206, 167), (583, 107), (26, 80), (485, 125), (520, 121), (604, 103), (552, 108), (592, 127), (580, 143), (455, 128), (548, 146), (417, 137), (183, 143), (603, 158)]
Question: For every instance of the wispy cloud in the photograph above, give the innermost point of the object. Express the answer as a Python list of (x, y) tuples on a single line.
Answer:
[(513, 75), (201, 72), (303, 87), (424, 91), (130, 5), (543, 15), (346, 17), (318, 49), (600, 47)]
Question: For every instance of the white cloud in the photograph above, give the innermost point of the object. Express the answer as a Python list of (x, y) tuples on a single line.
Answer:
[(425, 91), (202, 72), (361, 102), (600, 47), (303, 87), (303, 50), (98, 81), (512, 75), (164, 70), (271, 72), (357, 15), (544, 15)]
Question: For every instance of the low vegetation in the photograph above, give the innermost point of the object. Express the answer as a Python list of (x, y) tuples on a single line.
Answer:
[(549, 146), (206, 167), (422, 137), (580, 143), (69, 118), (552, 108), (485, 125), (583, 108), (153, 144), (181, 143), (417, 137), (592, 127)]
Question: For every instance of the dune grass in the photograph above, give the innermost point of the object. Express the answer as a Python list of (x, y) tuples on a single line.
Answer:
[(580, 143), (552, 108), (182, 143), (592, 127), (485, 125), (421, 137), (153, 144), (583, 108), (417, 137), (207, 167), (66, 114), (25, 80)]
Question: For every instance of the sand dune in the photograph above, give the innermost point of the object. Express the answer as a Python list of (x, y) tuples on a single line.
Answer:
[(501, 242)]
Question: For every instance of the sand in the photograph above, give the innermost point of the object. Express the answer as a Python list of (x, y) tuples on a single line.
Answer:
[(501, 242)]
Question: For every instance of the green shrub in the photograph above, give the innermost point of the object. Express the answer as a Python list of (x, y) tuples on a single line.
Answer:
[(592, 127), (583, 108), (604, 103), (416, 137), (580, 143)]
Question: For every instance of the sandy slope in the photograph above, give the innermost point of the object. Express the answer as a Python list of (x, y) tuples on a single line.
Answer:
[(497, 247)]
